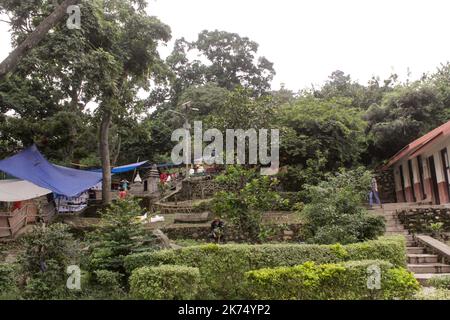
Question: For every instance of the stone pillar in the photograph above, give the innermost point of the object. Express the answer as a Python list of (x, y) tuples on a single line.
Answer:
[(153, 180)]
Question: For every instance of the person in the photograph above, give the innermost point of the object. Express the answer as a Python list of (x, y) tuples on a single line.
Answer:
[(200, 170), (217, 226), (124, 184), (374, 192)]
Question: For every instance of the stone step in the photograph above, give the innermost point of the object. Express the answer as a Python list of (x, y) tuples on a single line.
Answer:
[(429, 268), (418, 258), (424, 277), (415, 250), (395, 228), (396, 233)]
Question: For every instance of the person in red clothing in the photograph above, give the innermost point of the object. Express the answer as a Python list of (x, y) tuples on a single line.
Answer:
[(17, 205)]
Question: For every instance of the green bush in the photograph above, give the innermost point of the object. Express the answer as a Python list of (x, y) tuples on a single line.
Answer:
[(7, 279), (222, 267), (342, 281), (334, 213), (440, 282), (438, 294), (165, 282)]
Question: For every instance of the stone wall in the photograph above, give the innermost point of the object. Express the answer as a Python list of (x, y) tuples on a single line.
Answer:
[(292, 232), (386, 185), (198, 188), (418, 220)]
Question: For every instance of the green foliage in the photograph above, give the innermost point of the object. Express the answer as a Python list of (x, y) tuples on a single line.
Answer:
[(245, 198), (403, 116), (8, 273), (439, 294), (120, 233), (106, 285), (440, 282), (48, 250), (342, 281), (329, 126), (164, 282), (222, 267), (334, 213)]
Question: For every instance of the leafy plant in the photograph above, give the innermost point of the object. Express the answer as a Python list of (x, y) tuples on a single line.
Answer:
[(120, 233), (335, 212), (244, 199), (48, 250)]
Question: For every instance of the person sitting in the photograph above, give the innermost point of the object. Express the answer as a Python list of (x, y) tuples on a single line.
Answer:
[(217, 229)]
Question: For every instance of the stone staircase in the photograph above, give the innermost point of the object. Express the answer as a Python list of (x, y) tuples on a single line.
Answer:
[(422, 263)]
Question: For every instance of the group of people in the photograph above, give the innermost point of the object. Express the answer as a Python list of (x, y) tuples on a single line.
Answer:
[(196, 169)]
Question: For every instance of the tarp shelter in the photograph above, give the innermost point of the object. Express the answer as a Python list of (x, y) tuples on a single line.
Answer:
[(128, 167), (12, 190), (30, 165), (124, 168)]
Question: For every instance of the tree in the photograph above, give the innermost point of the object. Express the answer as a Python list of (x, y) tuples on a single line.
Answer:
[(223, 58), (33, 39), (106, 62), (120, 234), (404, 115), (313, 125)]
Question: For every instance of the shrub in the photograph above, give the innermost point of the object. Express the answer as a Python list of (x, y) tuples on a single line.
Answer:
[(120, 233), (165, 282), (349, 281), (222, 267), (244, 198), (7, 279), (48, 250), (440, 282), (334, 213), (438, 294)]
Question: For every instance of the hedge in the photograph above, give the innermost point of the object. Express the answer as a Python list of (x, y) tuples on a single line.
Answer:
[(164, 283), (348, 280), (7, 277), (222, 267)]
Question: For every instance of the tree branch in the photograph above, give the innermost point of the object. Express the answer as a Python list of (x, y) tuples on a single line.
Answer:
[(35, 37)]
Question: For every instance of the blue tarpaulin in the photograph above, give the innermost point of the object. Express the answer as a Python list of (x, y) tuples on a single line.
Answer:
[(125, 167), (31, 165)]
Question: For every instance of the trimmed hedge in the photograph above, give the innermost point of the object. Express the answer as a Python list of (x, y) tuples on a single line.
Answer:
[(222, 267), (164, 283), (342, 281)]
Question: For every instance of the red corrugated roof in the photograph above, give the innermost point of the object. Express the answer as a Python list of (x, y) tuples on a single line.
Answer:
[(418, 144)]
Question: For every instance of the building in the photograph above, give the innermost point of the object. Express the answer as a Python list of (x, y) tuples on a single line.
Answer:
[(421, 169)]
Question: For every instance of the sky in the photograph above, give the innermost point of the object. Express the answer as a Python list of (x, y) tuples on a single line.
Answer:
[(307, 40)]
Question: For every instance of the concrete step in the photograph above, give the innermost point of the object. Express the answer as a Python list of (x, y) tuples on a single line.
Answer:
[(415, 250), (395, 228), (411, 243), (424, 277), (418, 258), (396, 233), (429, 268)]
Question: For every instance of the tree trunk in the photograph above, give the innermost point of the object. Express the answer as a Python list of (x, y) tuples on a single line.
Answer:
[(35, 37), (105, 157)]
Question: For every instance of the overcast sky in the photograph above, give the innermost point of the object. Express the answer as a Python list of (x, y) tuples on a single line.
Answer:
[(307, 40)]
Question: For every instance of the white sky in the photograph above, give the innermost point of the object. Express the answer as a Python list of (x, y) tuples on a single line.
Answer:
[(307, 40)]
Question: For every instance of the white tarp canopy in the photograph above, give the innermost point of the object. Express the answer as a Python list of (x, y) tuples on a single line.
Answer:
[(19, 190)]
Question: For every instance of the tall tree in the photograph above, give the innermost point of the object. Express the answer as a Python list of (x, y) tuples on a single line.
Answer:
[(10, 62)]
